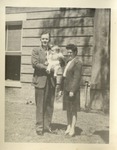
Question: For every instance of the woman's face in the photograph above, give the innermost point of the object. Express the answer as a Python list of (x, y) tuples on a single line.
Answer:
[(45, 39), (70, 54)]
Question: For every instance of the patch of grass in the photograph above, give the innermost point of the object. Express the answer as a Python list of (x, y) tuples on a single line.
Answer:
[(20, 125)]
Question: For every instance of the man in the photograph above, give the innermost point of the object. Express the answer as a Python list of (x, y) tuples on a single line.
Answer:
[(44, 85)]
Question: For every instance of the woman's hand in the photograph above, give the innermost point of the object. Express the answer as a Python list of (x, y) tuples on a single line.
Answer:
[(46, 63), (60, 93), (71, 94)]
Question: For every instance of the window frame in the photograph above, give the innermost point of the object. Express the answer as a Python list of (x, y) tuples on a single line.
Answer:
[(13, 83), (7, 52)]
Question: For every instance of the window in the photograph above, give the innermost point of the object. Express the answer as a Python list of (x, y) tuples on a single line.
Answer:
[(13, 51)]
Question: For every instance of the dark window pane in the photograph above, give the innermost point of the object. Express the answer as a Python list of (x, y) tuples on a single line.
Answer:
[(12, 67)]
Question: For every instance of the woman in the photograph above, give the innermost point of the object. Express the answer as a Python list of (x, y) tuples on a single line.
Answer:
[(71, 88)]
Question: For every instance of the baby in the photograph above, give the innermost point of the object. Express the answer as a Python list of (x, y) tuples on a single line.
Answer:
[(55, 60)]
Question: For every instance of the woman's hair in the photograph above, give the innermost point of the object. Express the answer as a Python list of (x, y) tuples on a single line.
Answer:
[(72, 47)]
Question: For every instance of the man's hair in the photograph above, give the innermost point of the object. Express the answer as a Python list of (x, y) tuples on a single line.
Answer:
[(72, 47), (46, 32)]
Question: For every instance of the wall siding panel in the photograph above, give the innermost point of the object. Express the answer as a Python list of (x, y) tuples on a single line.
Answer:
[(27, 78), (65, 26), (27, 69), (76, 31), (85, 60), (26, 60), (13, 10), (85, 51), (59, 41), (60, 22), (62, 13)]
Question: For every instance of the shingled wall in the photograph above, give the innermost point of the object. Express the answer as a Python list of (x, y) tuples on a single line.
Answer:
[(66, 25)]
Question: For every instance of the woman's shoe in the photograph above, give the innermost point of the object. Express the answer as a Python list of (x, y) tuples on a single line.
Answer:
[(72, 133), (68, 130)]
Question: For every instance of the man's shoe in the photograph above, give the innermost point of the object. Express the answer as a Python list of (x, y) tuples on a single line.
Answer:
[(50, 131), (39, 133)]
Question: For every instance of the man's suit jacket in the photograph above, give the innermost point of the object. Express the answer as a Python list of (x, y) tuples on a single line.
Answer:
[(73, 76), (38, 62)]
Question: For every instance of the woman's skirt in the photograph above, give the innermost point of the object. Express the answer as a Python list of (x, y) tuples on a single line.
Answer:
[(72, 103)]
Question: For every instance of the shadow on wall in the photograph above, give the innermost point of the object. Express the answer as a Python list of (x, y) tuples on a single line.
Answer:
[(62, 20)]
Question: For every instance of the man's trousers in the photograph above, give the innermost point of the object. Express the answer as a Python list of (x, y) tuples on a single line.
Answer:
[(44, 98)]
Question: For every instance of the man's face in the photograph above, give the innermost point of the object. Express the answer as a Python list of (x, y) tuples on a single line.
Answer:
[(70, 54), (45, 39)]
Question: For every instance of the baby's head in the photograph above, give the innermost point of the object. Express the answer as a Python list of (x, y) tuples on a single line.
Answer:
[(55, 49)]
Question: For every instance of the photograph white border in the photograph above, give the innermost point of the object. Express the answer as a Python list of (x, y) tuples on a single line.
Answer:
[(113, 71)]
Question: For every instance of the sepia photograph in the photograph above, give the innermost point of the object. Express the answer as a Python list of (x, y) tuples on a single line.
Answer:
[(57, 75)]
